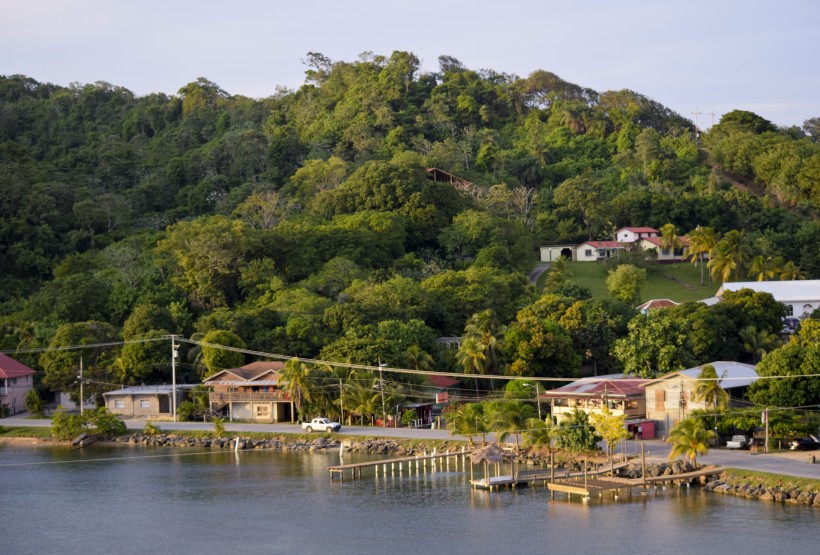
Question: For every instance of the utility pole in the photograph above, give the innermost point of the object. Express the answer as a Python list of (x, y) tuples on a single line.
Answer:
[(538, 399), (766, 419), (381, 387), (696, 113), (174, 354), (81, 385), (712, 115), (341, 403)]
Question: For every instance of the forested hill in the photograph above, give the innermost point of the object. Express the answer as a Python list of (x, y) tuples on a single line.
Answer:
[(306, 223)]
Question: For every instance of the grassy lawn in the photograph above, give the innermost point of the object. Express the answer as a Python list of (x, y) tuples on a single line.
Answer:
[(657, 286), (25, 431), (737, 476)]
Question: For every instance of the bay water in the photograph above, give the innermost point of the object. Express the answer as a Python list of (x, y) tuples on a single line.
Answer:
[(135, 499)]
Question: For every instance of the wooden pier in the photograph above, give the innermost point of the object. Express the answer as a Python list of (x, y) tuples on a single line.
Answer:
[(420, 461)]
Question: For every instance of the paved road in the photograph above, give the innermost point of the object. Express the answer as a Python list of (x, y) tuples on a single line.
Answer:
[(788, 462), (537, 271)]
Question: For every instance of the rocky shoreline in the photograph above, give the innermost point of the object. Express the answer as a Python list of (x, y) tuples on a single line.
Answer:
[(777, 494)]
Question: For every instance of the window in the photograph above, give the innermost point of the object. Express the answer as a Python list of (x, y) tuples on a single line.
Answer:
[(588, 252), (145, 404), (665, 252), (789, 310), (119, 404), (807, 308)]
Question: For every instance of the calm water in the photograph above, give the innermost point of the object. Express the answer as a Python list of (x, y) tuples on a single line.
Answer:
[(149, 500)]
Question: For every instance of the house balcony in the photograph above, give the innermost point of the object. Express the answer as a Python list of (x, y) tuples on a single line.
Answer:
[(242, 396)]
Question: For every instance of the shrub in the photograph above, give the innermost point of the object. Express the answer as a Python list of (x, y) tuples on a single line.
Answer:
[(219, 427), (107, 423), (34, 404), (66, 426), (151, 429), (186, 411)]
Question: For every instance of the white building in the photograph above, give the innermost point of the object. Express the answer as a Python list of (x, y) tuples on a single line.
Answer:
[(801, 297)]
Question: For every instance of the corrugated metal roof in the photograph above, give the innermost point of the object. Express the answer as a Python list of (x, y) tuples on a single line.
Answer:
[(797, 290), (149, 390), (612, 385), (732, 374)]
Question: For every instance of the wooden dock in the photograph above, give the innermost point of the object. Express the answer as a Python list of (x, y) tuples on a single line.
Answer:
[(420, 461), (538, 475)]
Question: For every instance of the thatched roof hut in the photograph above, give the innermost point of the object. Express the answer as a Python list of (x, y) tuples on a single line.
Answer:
[(491, 453)]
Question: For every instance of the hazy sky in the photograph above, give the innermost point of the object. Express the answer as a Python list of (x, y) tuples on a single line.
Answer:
[(690, 55)]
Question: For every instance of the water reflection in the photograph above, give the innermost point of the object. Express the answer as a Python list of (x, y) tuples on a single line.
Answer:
[(267, 497)]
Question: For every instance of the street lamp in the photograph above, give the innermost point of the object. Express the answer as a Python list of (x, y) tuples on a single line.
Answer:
[(381, 387), (537, 398)]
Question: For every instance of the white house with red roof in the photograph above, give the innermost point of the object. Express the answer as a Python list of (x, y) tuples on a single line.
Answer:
[(632, 234), (664, 254), (647, 238), (16, 380)]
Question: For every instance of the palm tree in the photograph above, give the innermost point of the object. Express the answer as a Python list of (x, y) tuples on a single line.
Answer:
[(540, 432), (670, 239), (296, 377), (791, 271), (765, 268), (702, 242), (471, 357), (484, 327), (758, 342), (730, 254), (417, 358), (709, 391), (505, 418), (467, 420), (690, 439)]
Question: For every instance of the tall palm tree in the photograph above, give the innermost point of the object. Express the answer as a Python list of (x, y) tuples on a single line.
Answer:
[(709, 391), (540, 432), (669, 238), (505, 418), (296, 377), (471, 357), (791, 271), (690, 439), (765, 268), (467, 419), (484, 327), (730, 255), (702, 241), (417, 358), (758, 342)]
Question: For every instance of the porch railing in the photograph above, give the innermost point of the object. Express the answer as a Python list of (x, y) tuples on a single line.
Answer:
[(227, 397)]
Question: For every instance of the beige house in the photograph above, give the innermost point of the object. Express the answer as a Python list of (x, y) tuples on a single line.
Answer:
[(145, 401), (671, 398), (251, 393), (16, 380), (665, 255), (623, 396)]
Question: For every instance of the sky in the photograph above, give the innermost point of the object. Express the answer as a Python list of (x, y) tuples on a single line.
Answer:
[(699, 58)]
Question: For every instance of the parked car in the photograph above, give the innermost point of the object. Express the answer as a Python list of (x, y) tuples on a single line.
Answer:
[(321, 425), (805, 444), (791, 325), (738, 442)]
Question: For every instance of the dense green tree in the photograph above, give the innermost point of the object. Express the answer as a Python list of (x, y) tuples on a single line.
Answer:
[(215, 358), (577, 434), (655, 345), (625, 281)]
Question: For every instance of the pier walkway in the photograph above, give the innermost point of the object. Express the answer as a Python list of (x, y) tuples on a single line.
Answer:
[(434, 458)]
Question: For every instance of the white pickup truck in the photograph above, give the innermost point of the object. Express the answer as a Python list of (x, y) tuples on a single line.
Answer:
[(738, 442), (321, 424)]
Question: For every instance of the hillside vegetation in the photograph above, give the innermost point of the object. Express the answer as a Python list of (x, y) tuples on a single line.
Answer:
[(306, 224)]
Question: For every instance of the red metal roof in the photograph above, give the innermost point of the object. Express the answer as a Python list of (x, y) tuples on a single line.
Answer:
[(657, 240), (657, 303), (443, 381), (606, 244), (640, 229), (10, 368)]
